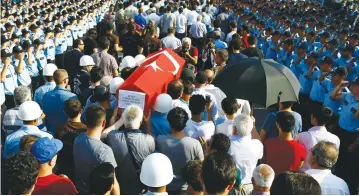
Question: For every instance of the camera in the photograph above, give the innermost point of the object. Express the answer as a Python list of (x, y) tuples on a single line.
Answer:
[(185, 48), (211, 46)]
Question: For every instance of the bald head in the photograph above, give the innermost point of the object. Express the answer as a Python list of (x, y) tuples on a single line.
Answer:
[(210, 75), (199, 18), (60, 77), (263, 176)]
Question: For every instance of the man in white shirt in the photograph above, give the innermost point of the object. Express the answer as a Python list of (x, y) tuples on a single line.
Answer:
[(196, 127), (198, 32), (170, 41), (175, 90), (206, 18), (323, 157), (317, 133), (181, 24), (230, 107), (192, 17), (153, 16), (245, 151), (131, 11)]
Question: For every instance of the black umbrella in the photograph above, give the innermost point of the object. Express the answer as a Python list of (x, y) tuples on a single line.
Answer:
[(262, 81)]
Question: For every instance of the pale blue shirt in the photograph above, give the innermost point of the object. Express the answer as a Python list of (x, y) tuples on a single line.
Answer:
[(24, 78), (10, 82), (40, 92), (12, 141), (346, 120)]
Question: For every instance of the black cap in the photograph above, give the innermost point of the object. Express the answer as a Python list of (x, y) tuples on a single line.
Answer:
[(327, 60), (187, 74), (100, 93), (314, 55), (58, 30), (342, 71), (25, 31), (33, 26), (14, 36), (349, 48), (26, 44), (66, 23), (4, 38), (48, 30), (201, 78), (5, 53), (17, 49), (38, 42)]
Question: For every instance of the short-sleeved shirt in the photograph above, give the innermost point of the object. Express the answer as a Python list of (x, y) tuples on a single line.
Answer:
[(179, 151), (181, 23), (167, 20), (106, 61), (88, 153), (199, 129), (171, 42), (54, 185), (346, 120), (141, 146), (113, 40), (226, 128), (10, 82), (283, 155), (270, 127), (159, 124)]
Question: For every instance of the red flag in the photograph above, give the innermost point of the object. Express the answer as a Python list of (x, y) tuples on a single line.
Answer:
[(154, 74)]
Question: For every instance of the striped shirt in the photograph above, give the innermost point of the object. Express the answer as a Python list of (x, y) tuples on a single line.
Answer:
[(12, 123)]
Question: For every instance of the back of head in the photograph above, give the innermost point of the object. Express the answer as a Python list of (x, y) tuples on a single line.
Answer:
[(285, 121), (218, 171), (223, 54), (132, 117), (104, 43), (252, 40), (236, 44), (72, 107), (286, 105), (210, 75), (191, 173), (295, 183), (60, 75), (175, 89), (177, 118), (243, 125), (26, 142), (102, 178), (322, 115), (197, 104), (96, 74), (21, 172), (187, 88), (325, 154), (220, 142), (95, 116), (230, 105), (22, 94), (263, 176)]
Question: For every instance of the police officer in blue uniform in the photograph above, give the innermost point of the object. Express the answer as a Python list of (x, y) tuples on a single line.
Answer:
[(8, 78), (49, 45), (60, 47), (20, 66), (31, 65)]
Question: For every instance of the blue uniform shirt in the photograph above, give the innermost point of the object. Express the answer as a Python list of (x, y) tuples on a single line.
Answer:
[(32, 68), (10, 82), (12, 141), (159, 124), (69, 38), (335, 105), (50, 50), (318, 90), (285, 58), (53, 106), (24, 78), (271, 51), (41, 60), (304, 81), (40, 92), (346, 120)]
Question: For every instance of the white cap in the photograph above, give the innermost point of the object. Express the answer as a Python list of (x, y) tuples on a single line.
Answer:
[(139, 59), (29, 110), (115, 84), (163, 103), (128, 61), (86, 60), (49, 69), (156, 170)]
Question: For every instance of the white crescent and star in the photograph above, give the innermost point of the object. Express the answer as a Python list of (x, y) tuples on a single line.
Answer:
[(156, 67), (153, 65)]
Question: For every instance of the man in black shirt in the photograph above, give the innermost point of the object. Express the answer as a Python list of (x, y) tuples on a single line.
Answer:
[(90, 42), (252, 50), (96, 75), (82, 78)]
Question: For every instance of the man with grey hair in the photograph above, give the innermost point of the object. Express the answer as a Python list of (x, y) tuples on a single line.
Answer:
[(188, 52), (11, 120), (263, 177), (323, 157), (245, 151), (130, 147)]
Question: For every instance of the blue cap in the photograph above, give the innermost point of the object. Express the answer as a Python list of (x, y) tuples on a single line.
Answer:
[(44, 149)]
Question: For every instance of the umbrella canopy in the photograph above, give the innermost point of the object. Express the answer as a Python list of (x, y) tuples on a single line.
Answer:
[(262, 81)]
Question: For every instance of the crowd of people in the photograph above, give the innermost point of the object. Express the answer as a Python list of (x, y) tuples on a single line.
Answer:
[(63, 132)]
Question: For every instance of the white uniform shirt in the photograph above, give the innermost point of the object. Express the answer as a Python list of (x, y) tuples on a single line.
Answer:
[(202, 129), (246, 152), (192, 17), (329, 183), (181, 23), (313, 136)]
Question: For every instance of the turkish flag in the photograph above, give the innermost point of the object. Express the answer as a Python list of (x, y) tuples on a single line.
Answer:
[(153, 75)]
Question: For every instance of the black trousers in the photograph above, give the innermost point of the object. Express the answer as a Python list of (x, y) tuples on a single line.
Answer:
[(347, 166), (59, 61), (303, 109), (9, 101), (180, 36), (35, 83), (198, 43)]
